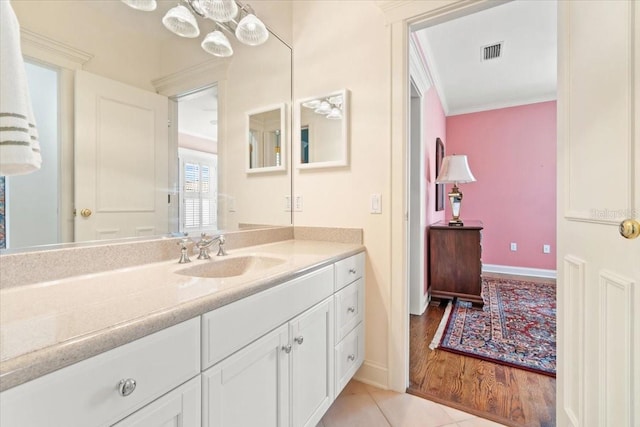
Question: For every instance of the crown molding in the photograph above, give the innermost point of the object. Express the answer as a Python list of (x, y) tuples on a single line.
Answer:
[(45, 49), (418, 69), (199, 75)]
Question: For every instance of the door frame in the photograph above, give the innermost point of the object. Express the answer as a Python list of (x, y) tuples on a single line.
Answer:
[(402, 18)]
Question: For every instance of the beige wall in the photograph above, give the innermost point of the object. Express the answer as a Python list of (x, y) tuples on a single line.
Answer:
[(338, 45)]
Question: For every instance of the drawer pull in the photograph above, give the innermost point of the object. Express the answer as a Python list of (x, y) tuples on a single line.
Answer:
[(286, 348), (126, 387), (352, 271), (299, 340), (351, 309), (351, 358)]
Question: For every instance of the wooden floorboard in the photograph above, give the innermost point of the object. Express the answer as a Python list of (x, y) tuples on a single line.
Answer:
[(510, 396)]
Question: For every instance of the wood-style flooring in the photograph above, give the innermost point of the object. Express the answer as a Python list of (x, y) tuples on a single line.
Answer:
[(510, 396)]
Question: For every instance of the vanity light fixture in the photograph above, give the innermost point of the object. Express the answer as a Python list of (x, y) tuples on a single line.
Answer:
[(330, 107), (228, 15), (455, 170)]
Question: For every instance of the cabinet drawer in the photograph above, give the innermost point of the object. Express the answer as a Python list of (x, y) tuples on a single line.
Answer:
[(348, 270), (231, 327), (86, 394), (349, 307), (349, 355)]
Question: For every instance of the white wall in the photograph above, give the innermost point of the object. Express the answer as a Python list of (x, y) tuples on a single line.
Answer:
[(340, 45)]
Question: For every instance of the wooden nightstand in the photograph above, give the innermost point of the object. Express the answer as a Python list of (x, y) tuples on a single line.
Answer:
[(455, 264)]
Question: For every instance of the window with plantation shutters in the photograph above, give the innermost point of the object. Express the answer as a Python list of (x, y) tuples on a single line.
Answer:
[(198, 179)]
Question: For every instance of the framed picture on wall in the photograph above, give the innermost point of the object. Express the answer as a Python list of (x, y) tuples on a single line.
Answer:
[(439, 187)]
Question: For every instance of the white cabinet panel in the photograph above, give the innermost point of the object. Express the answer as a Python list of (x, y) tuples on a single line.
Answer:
[(349, 357), (312, 364), (349, 308), (348, 270), (251, 387), (178, 408)]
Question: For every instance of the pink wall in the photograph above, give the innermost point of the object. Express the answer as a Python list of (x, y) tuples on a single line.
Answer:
[(512, 154), (434, 126)]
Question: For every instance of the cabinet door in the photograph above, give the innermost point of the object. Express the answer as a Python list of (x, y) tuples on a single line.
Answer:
[(178, 408), (250, 387), (312, 364)]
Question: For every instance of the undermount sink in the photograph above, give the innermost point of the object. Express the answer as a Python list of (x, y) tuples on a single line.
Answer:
[(230, 267)]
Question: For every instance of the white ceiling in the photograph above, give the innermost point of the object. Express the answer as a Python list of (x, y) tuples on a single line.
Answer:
[(198, 115), (525, 73)]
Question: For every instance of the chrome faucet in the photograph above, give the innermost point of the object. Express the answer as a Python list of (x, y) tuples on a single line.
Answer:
[(184, 251), (205, 243)]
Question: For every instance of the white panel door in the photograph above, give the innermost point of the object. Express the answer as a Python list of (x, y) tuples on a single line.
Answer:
[(178, 408), (598, 187), (121, 158), (312, 364), (250, 387)]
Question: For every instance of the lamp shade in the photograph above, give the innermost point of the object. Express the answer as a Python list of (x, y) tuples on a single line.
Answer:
[(180, 20), (251, 31), (217, 44), (219, 10), (455, 169), (144, 5)]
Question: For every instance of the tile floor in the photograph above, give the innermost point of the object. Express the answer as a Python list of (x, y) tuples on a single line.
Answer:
[(361, 405)]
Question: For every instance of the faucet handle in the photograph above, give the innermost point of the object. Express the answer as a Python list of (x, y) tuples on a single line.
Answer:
[(221, 240), (184, 252)]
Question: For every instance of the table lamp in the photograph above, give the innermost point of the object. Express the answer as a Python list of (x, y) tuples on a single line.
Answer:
[(455, 170)]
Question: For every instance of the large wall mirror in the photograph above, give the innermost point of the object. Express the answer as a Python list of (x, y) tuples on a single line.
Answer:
[(267, 134), (105, 79), (323, 130)]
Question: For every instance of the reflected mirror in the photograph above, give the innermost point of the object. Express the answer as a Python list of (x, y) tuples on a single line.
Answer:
[(118, 49), (267, 139), (323, 131)]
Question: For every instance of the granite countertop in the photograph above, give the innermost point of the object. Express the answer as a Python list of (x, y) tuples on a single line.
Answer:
[(50, 325)]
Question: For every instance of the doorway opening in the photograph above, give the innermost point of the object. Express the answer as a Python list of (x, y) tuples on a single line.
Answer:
[(462, 133)]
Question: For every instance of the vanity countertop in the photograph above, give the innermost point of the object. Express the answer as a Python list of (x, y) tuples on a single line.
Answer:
[(50, 325)]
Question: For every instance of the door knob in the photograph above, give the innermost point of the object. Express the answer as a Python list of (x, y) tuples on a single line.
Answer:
[(630, 228), (86, 212)]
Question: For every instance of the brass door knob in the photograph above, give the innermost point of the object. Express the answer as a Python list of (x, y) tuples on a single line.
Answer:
[(630, 228), (86, 212)]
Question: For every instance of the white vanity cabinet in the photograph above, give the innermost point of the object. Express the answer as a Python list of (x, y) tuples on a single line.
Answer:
[(285, 377), (104, 389)]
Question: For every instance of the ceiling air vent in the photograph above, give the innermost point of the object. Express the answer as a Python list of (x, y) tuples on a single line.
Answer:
[(492, 51)]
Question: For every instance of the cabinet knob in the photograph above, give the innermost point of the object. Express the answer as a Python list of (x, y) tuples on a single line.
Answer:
[(352, 271), (286, 348), (351, 358), (126, 387), (351, 309), (299, 340)]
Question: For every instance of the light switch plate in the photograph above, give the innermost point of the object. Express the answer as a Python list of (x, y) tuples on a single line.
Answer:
[(297, 203), (376, 203), (287, 203)]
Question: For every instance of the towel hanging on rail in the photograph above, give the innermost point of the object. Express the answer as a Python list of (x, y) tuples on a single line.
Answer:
[(19, 146)]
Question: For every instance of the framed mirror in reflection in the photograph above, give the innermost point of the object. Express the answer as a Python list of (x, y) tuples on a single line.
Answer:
[(107, 156), (324, 130), (267, 139)]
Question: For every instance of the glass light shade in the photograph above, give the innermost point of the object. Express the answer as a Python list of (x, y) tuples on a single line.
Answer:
[(323, 108), (313, 104), (219, 10), (180, 20), (335, 114), (144, 5), (455, 169), (251, 31), (217, 44)]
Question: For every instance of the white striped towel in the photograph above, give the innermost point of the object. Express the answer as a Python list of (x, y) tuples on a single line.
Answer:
[(19, 146)]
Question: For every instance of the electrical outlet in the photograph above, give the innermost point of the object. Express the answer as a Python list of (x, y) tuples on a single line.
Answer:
[(514, 247), (297, 204), (546, 249), (287, 203)]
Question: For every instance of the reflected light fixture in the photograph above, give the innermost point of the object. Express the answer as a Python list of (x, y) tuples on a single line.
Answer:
[(144, 5), (228, 15), (455, 170), (330, 107)]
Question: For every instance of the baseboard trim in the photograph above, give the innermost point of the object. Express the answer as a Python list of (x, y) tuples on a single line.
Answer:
[(374, 374), (519, 271)]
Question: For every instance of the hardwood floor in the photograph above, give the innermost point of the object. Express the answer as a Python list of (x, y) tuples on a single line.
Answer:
[(510, 396)]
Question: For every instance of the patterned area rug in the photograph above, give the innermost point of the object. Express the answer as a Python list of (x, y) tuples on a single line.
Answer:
[(516, 326)]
